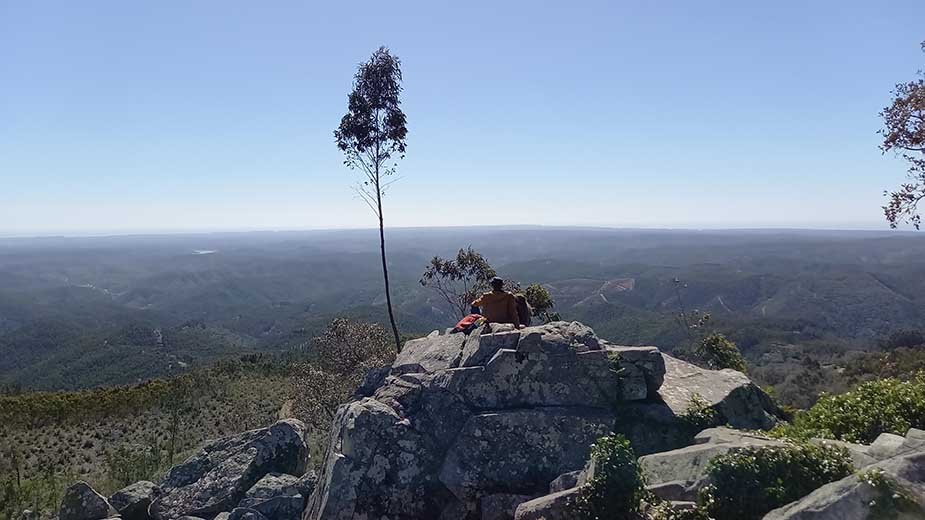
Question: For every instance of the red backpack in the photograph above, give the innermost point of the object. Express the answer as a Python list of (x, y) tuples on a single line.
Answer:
[(469, 323)]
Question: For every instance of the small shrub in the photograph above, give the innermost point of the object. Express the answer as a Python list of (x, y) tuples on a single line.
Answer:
[(618, 486), (718, 353), (887, 405), (664, 510), (699, 415), (750, 482)]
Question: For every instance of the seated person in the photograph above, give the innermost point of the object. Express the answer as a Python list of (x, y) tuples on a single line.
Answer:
[(498, 305)]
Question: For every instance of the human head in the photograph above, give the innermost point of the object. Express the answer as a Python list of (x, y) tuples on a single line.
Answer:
[(497, 283)]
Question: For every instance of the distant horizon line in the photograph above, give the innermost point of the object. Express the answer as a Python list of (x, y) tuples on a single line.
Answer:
[(241, 231)]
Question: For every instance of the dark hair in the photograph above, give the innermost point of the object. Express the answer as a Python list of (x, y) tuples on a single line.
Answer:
[(497, 283)]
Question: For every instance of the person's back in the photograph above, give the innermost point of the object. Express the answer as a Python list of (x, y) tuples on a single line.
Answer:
[(498, 306)]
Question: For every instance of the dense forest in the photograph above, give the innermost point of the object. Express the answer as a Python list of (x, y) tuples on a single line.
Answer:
[(802, 306)]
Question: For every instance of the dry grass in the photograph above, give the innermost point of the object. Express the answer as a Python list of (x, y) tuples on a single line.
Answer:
[(42, 455)]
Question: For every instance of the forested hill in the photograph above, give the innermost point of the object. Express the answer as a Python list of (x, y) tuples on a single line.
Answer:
[(78, 312)]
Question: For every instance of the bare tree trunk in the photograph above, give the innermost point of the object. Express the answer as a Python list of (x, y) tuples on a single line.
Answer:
[(385, 268)]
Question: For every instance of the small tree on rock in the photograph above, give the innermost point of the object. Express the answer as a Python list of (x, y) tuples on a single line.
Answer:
[(459, 281), (541, 302), (371, 135), (904, 133), (718, 352)]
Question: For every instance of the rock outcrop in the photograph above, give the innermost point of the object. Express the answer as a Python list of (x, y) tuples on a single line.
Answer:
[(217, 478), (82, 502), (739, 402), (132, 502), (459, 422)]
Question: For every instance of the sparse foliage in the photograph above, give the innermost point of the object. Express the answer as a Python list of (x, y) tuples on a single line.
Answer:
[(718, 352), (344, 353), (904, 134), (694, 323), (372, 136), (127, 464), (459, 281)]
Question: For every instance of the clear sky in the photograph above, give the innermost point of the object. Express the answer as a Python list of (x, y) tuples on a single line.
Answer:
[(207, 115)]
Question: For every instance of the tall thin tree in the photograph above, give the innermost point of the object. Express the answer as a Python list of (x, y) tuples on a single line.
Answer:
[(372, 136)]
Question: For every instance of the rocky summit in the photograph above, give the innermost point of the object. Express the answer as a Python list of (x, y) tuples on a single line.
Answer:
[(470, 426)]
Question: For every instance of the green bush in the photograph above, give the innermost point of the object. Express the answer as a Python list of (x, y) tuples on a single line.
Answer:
[(719, 353), (618, 486), (699, 415), (748, 483), (887, 405)]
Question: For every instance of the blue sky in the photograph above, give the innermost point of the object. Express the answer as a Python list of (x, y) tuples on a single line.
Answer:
[(175, 115)]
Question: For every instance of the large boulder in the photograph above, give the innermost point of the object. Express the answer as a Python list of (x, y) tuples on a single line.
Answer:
[(82, 502), (132, 502), (739, 402), (428, 354), (463, 426), (557, 506), (218, 477)]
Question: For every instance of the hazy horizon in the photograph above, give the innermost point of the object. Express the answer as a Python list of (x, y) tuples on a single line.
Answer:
[(243, 231), (126, 118)]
